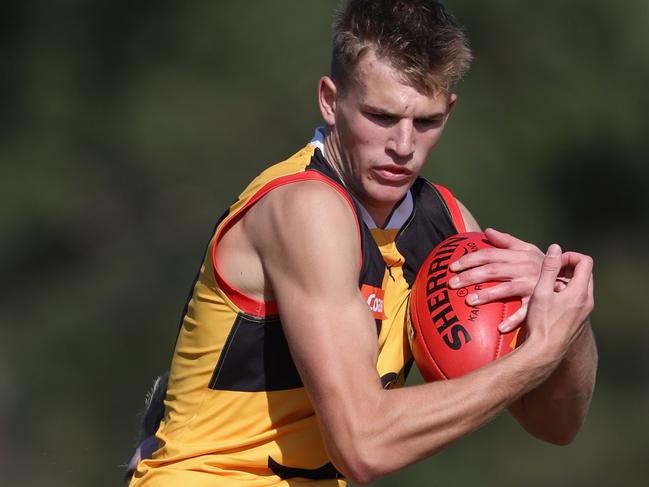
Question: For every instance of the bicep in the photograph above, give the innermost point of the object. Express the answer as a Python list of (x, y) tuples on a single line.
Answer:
[(313, 268)]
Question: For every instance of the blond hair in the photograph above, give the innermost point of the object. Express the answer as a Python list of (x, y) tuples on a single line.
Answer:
[(417, 37)]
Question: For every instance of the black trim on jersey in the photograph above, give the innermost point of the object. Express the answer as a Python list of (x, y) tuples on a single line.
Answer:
[(198, 273), (325, 472), (255, 358), (407, 368), (388, 379), (429, 224), (373, 268)]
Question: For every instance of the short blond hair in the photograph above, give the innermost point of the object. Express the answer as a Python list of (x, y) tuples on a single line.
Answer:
[(417, 37)]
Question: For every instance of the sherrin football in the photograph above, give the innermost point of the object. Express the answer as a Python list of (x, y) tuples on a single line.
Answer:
[(448, 337)]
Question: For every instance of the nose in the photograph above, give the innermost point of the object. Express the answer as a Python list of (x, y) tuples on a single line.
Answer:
[(402, 140)]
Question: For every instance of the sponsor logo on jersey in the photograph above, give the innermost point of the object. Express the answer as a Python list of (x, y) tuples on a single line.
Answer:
[(374, 298)]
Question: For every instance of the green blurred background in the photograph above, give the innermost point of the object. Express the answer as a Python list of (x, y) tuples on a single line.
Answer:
[(127, 127)]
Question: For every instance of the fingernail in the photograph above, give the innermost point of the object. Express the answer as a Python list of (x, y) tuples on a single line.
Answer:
[(503, 328), (554, 250), (455, 266), (472, 298), (454, 281)]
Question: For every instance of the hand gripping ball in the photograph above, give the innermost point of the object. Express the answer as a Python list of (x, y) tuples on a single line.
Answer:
[(448, 337)]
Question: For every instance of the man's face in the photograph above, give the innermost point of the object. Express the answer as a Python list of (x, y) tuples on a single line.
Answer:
[(384, 131)]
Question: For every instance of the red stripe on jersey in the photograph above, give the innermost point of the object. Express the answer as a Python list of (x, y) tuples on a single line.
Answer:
[(246, 303)]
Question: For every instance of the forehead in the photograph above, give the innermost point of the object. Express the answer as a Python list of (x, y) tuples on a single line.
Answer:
[(376, 83)]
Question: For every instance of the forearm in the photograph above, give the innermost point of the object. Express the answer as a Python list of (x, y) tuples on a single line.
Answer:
[(406, 425), (556, 409)]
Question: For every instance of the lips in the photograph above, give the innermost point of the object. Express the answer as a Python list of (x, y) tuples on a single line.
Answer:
[(392, 173)]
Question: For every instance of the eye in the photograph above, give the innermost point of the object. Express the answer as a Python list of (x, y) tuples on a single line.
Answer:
[(384, 119), (428, 123)]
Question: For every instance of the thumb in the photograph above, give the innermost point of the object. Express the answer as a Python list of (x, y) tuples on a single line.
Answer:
[(549, 270)]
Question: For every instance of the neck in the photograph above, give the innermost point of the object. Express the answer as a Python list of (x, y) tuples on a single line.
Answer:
[(379, 215), (332, 153)]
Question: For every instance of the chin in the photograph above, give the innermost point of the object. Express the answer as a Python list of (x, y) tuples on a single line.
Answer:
[(387, 195)]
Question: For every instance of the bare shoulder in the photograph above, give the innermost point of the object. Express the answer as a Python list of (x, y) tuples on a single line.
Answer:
[(304, 198), (292, 229), (306, 212), (305, 235), (470, 222)]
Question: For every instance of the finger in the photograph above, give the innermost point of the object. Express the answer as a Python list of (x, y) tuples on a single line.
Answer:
[(581, 280), (497, 271), (579, 291), (570, 258), (514, 320), (549, 270), (506, 241), (568, 262), (505, 290), (480, 257), (482, 273), (566, 273), (495, 256), (560, 284)]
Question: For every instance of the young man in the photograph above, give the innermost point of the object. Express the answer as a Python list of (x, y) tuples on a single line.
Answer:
[(281, 369)]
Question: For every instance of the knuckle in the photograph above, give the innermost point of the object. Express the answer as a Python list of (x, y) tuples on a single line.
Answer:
[(532, 268), (541, 294), (485, 294), (486, 254), (508, 288), (550, 266), (590, 303), (466, 277), (490, 271), (465, 262)]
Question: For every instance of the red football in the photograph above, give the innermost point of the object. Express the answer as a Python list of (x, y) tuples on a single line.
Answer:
[(448, 337)]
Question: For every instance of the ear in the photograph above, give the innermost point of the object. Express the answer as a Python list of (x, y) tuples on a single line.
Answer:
[(451, 103), (327, 93)]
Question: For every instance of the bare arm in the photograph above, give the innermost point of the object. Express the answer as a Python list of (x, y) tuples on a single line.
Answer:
[(312, 265), (555, 410)]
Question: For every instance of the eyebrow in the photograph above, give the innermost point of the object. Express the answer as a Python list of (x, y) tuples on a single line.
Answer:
[(383, 111)]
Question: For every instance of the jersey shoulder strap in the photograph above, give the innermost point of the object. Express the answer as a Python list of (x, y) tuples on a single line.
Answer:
[(452, 206)]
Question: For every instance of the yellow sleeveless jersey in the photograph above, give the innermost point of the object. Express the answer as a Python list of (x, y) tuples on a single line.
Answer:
[(236, 412)]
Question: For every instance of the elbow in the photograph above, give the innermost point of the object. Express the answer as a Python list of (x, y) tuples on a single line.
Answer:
[(558, 436), (359, 471), (356, 467), (358, 461), (559, 426), (559, 440), (359, 445)]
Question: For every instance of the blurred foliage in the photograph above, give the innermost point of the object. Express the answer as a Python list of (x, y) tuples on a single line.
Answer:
[(127, 127)]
